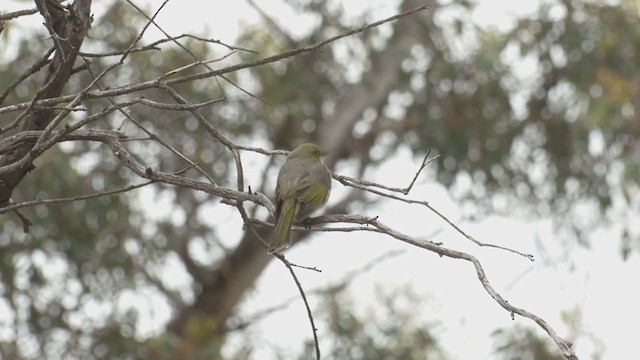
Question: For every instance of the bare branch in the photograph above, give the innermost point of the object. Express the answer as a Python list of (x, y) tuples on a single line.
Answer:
[(47, 111), (178, 107), (215, 134), (53, 14), (114, 142), (144, 29), (194, 56), (119, 52), (15, 14), (127, 89), (230, 47), (564, 346), (157, 138), (197, 63), (72, 29), (306, 303), (26, 223), (154, 46), (30, 71), (289, 266), (174, 38), (347, 181), (74, 198)]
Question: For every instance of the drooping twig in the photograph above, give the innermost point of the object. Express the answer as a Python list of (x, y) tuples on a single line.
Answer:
[(306, 303), (289, 265), (194, 56)]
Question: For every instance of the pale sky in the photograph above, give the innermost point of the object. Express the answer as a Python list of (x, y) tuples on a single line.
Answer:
[(595, 279)]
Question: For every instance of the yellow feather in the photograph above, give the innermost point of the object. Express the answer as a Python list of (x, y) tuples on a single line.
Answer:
[(282, 231), (303, 186)]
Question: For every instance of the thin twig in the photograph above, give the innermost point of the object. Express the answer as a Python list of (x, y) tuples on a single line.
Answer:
[(197, 63), (194, 56), (127, 89), (154, 46), (48, 139), (289, 265), (118, 52), (26, 223), (564, 346), (304, 299), (347, 279), (44, 142), (144, 29), (15, 14), (73, 198), (215, 134), (115, 143), (42, 61), (31, 104), (155, 137), (426, 161), (357, 184), (230, 47), (49, 24)]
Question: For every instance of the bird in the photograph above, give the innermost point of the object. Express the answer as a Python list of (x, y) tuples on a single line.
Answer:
[(303, 186)]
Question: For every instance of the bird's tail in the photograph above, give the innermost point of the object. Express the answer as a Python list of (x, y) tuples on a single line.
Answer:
[(281, 237)]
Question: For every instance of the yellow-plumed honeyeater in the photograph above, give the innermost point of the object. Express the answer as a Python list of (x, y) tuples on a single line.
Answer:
[(303, 186)]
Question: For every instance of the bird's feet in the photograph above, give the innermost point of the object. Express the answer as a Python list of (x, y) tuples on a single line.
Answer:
[(307, 223)]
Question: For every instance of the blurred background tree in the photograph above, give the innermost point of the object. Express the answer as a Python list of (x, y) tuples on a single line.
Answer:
[(541, 118), (391, 330), (523, 344)]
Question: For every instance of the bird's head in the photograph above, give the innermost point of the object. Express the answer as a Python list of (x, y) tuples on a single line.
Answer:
[(307, 151)]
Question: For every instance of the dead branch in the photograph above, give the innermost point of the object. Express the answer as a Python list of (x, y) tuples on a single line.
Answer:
[(127, 89), (42, 117), (72, 28)]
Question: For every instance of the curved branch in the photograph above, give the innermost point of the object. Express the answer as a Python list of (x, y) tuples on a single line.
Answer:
[(564, 346), (113, 140), (128, 160)]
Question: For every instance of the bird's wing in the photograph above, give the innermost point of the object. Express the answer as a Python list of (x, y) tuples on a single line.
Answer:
[(313, 192)]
